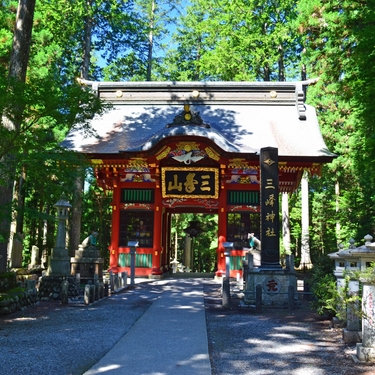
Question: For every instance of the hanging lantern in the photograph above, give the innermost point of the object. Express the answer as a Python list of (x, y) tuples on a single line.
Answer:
[(193, 230)]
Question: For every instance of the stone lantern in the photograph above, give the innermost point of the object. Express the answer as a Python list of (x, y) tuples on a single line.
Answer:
[(350, 260), (175, 264), (59, 261), (193, 230)]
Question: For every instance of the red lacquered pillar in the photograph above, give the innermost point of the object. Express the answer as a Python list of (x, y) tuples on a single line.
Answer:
[(157, 235), (222, 229), (113, 247)]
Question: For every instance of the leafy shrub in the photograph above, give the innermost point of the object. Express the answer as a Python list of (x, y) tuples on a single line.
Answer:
[(7, 281), (323, 286)]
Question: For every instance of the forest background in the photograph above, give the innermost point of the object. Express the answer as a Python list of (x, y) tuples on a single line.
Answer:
[(195, 40)]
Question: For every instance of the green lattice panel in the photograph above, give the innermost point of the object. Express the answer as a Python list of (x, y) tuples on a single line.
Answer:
[(243, 197), (141, 260), (236, 262)]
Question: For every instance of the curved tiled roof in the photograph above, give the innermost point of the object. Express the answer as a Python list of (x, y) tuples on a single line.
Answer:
[(250, 118)]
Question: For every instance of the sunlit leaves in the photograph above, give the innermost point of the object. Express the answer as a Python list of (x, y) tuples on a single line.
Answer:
[(240, 40), (338, 39)]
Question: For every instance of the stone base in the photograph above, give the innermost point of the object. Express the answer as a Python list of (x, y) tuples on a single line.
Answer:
[(274, 285), (50, 287), (365, 354), (219, 278), (87, 268), (58, 266), (156, 277), (257, 258), (351, 336), (338, 323)]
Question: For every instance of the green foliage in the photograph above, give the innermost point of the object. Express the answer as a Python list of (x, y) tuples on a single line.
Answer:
[(11, 293), (323, 217), (204, 246), (367, 275), (332, 299), (323, 285), (7, 281), (214, 40), (46, 170), (97, 214), (343, 299), (236, 41), (336, 36)]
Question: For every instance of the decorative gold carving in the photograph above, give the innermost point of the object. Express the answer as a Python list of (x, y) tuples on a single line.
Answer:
[(137, 163), (212, 154), (130, 206), (166, 194), (187, 146), (243, 179), (269, 161), (238, 163), (163, 153), (96, 161), (188, 117)]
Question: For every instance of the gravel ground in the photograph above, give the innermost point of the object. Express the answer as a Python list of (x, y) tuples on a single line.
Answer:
[(243, 341), (59, 339)]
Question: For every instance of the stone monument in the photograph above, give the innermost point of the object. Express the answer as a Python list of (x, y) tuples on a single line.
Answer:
[(366, 349), (276, 284), (59, 261), (87, 260), (35, 259), (16, 255)]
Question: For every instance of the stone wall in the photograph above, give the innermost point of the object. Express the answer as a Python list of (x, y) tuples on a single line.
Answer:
[(50, 287), (7, 281), (274, 286), (18, 301)]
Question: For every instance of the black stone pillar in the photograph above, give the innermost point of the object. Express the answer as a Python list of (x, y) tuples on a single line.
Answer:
[(269, 209)]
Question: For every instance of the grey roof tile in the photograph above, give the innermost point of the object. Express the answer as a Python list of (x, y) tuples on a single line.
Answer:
[(235, 126)]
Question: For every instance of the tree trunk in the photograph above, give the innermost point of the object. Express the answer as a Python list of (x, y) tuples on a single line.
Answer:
[(19, 56), (19, 59), (150, 41), (338, 227), (87, 41), (286, 222), (76, 211), (76, 218), (304, 77), (281, 65), (305, 241)]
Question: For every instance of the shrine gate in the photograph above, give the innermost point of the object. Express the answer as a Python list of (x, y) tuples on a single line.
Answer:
[(174, 147)]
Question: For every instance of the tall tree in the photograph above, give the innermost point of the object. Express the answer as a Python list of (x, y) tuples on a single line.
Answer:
[(332, 31), (19, 59), (148, 31), (76, 215), (51, 104), (242, 40)]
